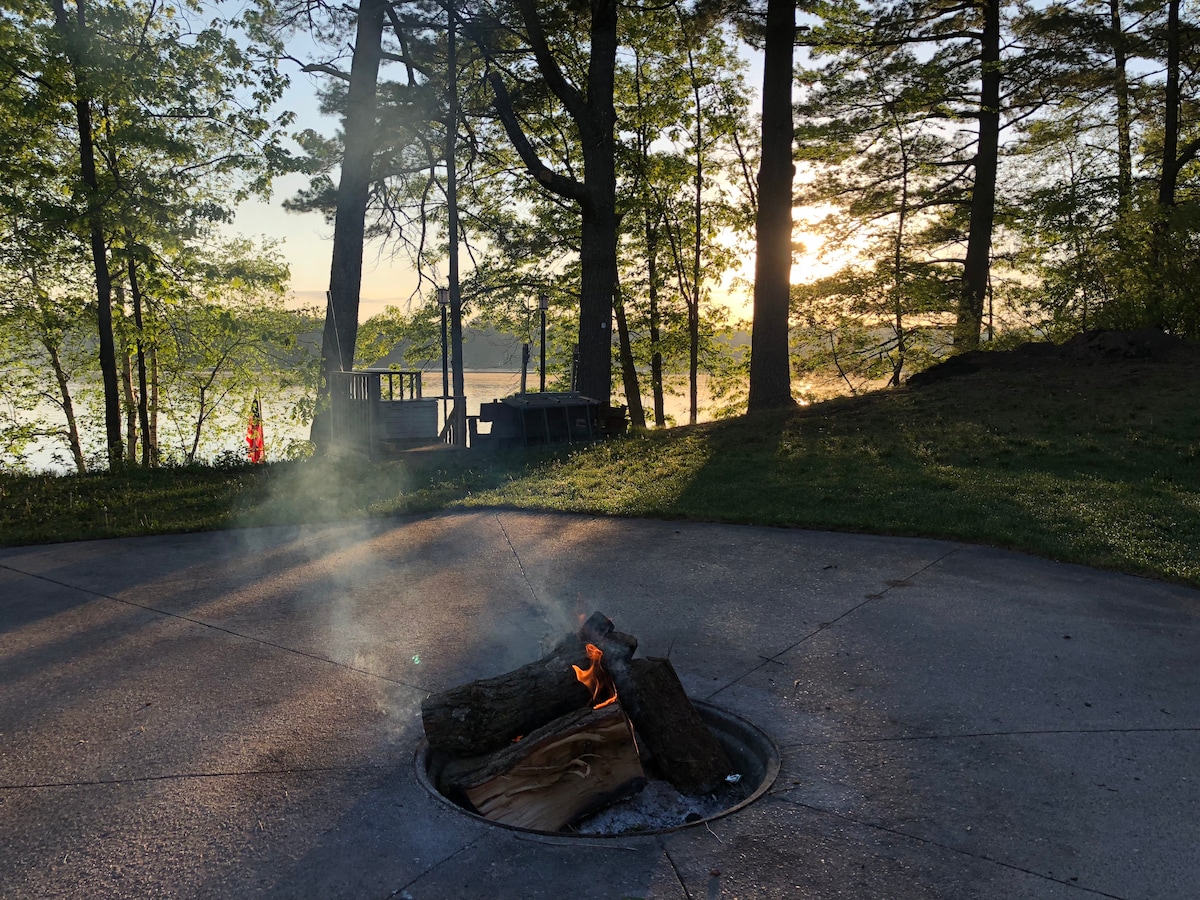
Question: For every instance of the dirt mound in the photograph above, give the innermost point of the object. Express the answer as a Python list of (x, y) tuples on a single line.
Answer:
[(1089, 348), (1145, 343)]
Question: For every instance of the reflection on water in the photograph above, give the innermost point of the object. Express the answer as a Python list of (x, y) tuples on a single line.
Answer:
[(484, 387), (227, 427)]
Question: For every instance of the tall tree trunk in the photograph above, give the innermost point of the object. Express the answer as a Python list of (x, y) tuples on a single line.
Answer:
[(459, 411), (201, 415), (149, 450), (656, 357), (594, 115), (152, 435), (345, 274), (68, 406), (72, 38), (1169, 176), (598, 261), (629, 375), (140, 413), (64, 387), (697, 251), (898, 260), (129, 404), (770, 366), (131, 421), (1121, 88), (598, 248), (650, 236), (977, 267)]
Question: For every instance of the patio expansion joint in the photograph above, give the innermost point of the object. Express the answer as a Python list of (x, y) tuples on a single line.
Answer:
[(401, 893), (891, 584), (981, 857), (165, 613), (969, 735), (596, 843), (674, 868), (190, 776), (538, 606)]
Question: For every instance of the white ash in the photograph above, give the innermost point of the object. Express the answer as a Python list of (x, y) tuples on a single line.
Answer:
[(658, 806)]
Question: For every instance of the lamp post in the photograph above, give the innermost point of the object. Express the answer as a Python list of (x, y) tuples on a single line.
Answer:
[(543, 305), (444, 303)]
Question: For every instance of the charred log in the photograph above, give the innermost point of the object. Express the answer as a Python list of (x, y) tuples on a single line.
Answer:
[(673, 737), (599, 630), (485, 715), (550, 703)]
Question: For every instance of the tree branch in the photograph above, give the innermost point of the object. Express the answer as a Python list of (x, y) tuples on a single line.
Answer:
[(558, 184), (398, 28), (325, 69), (1186, 154), (570, 96)]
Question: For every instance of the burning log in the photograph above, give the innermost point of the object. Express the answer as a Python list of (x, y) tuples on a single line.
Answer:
[(673, 735), (576, 764), (486, 715), (579, 750)]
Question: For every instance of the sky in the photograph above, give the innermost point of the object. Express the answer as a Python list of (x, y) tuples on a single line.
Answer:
[(306, 240)]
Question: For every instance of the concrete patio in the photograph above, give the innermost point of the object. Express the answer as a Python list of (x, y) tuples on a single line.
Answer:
[(235, 714)]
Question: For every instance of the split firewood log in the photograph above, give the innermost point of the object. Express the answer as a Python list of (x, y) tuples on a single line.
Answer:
[(565, 770)]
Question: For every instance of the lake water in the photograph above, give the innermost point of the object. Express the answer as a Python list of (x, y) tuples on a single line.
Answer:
[(226, 431), (484, 387)]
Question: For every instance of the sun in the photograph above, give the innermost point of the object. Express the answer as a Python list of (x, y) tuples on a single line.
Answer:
[(814, 256)]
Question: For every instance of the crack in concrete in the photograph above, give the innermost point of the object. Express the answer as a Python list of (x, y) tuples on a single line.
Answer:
[(981, 857), (674, 868), (539, 608), (535, 837), (1030, 732), (401, 893), (892, 584), (237, 634), (186, 776)]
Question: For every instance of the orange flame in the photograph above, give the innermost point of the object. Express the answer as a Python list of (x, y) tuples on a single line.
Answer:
[(596, 679)]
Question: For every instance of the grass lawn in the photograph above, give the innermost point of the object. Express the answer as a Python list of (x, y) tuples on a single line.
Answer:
[(1089, 453)]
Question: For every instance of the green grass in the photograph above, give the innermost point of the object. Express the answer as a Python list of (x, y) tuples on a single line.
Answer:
[(1096, 464)]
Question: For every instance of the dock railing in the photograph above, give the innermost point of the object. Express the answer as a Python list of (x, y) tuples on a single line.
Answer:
[(353, 418)]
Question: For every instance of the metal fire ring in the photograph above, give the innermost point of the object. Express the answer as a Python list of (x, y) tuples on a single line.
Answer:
[(752, 751)]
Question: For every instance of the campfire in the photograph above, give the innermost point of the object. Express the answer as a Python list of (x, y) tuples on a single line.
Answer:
[(548, 744)]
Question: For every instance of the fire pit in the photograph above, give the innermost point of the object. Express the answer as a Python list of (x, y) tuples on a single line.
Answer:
[(658, 808), (589, 740)]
